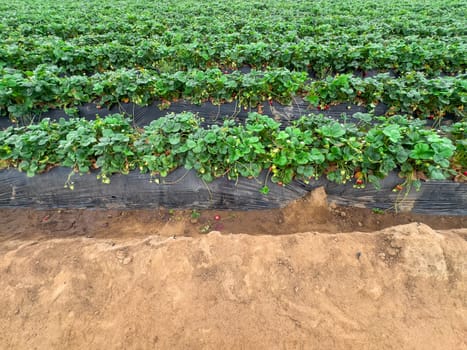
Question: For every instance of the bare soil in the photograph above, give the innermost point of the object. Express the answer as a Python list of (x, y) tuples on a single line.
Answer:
[(309, 276)]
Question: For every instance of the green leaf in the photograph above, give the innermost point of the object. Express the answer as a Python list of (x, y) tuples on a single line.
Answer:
[(190, 144), (393, 133), (422, 151), (334, 130), (316, 156), (436, 174), (281, 161), (313, 99), (174, 139), (210, 137)]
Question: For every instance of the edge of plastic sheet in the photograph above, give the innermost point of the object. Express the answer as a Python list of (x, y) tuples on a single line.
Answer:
[(184, 189)]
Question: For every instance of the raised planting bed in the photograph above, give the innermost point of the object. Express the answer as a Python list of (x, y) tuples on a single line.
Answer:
[(177, 161)]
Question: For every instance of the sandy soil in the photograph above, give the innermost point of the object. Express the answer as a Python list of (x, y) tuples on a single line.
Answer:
[(153, 280)]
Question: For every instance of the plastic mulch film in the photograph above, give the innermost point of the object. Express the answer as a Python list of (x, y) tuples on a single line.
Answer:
[(184, 189)]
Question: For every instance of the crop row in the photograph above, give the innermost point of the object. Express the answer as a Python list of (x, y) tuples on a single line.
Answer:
[(311, 147), (23, 94), (400, 55)]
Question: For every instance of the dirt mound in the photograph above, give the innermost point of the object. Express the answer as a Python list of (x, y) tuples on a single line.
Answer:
[(400, 288)]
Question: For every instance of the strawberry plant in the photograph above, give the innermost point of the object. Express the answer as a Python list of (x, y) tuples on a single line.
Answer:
[(457, 132), (162, 145), (336, 148), (32, 149), (76, 149), (114, 150), (418, 152)]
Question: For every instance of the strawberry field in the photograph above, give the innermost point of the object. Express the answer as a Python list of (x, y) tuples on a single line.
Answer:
[(401, 63), (242, 174)]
